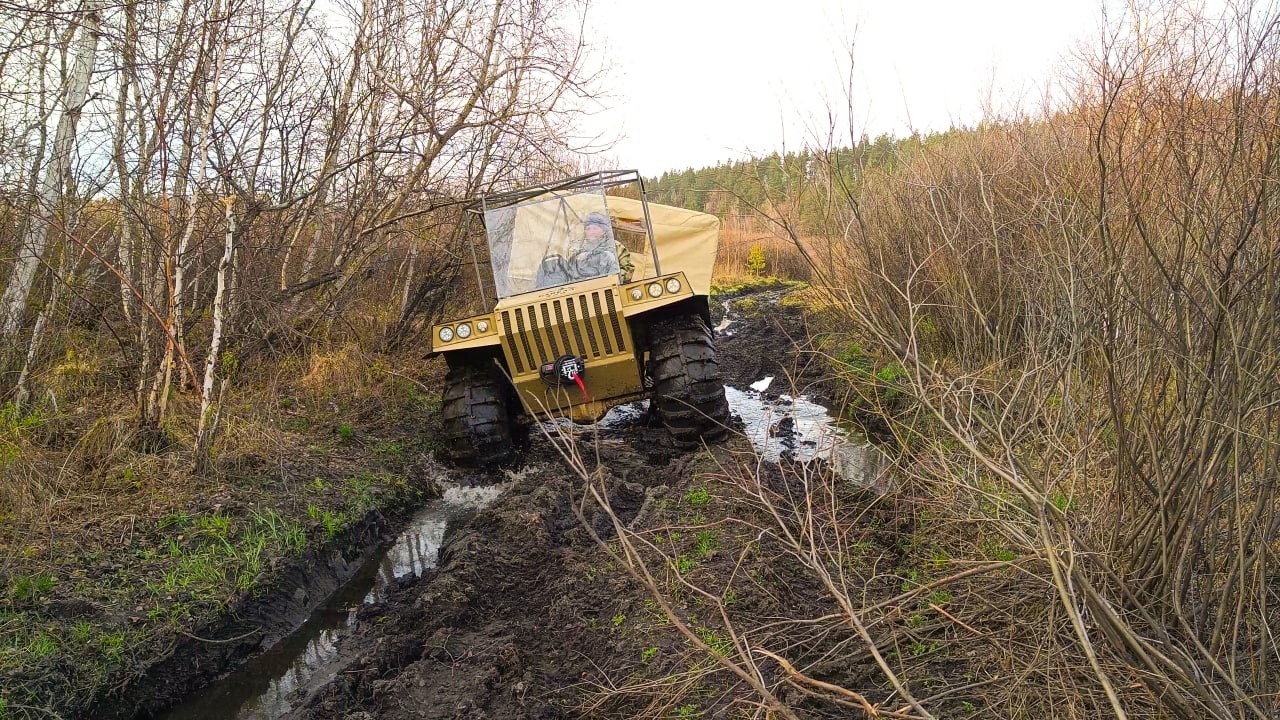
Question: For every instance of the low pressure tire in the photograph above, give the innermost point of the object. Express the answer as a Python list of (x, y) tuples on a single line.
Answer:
[(477, 419), (688, 394)]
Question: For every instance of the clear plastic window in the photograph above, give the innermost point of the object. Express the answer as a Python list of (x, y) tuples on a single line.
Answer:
[(550, 241)]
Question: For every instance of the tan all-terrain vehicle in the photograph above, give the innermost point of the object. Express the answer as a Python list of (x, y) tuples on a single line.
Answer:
[(601, 299)]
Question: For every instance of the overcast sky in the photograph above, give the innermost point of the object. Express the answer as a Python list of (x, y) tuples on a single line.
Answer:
[(694, 82)]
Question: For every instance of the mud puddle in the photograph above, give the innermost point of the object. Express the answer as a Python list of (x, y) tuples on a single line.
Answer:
[(264, 687), (727, 320), (796, 429)]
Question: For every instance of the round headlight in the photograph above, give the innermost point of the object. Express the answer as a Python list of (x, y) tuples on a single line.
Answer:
[(655, 290), (482, 326), (636, 293), (446, 334), (673, 285), (464, 331)]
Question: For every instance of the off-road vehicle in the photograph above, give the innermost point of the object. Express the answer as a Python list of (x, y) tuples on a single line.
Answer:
[(601, 299)]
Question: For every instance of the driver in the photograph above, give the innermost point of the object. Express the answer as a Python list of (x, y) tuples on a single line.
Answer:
[(596, 231)]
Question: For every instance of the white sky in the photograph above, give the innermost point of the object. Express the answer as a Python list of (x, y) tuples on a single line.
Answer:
[(694, 82)]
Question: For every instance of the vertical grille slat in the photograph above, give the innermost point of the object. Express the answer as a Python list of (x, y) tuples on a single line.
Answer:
[(508, 339), (524, 339), (604, 332), (577, 328), (586, 321), (613, 318), (550, 331), (564, 331), (537, 338)]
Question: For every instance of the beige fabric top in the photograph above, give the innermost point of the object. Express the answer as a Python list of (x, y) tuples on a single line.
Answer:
[(687, 240)]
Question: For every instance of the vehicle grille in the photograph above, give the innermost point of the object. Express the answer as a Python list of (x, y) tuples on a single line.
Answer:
[(587, 325)]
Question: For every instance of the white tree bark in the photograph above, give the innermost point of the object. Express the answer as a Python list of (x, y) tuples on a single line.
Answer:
[(36, 238), (180, 258), (22, 390), (126, 252), (208, 421), (175, 346)]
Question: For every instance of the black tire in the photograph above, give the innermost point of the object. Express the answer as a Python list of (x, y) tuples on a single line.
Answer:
[(476, 409), (688, 394)]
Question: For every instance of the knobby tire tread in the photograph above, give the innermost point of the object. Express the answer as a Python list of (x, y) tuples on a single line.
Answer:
[(476, 417), (688, 393)]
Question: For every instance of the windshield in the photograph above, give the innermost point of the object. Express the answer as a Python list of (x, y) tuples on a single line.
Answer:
[(550, 241)]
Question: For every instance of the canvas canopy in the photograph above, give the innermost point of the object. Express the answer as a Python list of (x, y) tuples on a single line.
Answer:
[(687, 240)]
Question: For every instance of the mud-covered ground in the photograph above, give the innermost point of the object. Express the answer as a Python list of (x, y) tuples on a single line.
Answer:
[(528, 617)]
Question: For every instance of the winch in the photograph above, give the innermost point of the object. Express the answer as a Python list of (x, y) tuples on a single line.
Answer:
[(564, 370)]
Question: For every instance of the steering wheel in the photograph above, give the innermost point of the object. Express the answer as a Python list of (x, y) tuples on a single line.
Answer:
[(592, 262), (554, 270)]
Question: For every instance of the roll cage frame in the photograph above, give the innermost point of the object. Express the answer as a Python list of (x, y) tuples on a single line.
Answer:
[(596, 181)]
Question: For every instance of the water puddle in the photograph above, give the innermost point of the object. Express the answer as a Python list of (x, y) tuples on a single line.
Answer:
[(797, 429), (623, 416), (723, 327), (263, 687)]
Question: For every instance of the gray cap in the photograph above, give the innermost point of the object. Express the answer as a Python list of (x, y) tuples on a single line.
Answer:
[(596, 218)]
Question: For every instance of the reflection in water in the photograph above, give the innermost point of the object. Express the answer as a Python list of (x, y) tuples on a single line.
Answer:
[(416, 553), (723, 327), (263, 688), (795, 428), (621, 416)]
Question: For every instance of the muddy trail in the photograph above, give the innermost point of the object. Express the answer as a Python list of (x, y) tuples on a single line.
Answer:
[(509, 609)]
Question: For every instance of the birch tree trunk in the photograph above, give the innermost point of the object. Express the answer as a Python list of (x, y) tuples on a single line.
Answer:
[(58, 296), (175, 346), (36, 237), (126, 251), (208, 414)]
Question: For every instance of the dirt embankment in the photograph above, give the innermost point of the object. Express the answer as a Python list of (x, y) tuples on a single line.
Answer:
[(527, 617), (127, 581)]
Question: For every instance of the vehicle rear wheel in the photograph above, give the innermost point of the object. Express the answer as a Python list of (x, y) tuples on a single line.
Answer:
[(688, 394), (476, 410)]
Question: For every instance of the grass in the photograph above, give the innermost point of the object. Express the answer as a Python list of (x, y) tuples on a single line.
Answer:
[(330, 522), (30, 588), (731, 286), (705, 544), (187, 549), (698, 497)]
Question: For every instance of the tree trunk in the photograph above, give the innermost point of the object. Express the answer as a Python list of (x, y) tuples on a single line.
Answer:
[(126, 252), (177, 261), (14, 301), (208, 414)]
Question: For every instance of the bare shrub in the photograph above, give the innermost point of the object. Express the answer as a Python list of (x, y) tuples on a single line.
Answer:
[(1083, 307)]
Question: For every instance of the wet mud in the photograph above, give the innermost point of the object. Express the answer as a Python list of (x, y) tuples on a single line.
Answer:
[(489, 606), (250, 625), (265, 686)]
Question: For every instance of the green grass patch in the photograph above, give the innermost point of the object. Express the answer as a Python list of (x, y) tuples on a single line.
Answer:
[(729, 287), (706, 544), (30, 588), (698, 497)]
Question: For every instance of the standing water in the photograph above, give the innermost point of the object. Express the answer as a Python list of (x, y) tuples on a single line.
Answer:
[(783, 427), (263, 688)]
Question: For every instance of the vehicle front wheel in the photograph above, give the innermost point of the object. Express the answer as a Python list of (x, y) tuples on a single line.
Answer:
[(477, 418), (688, 394)]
